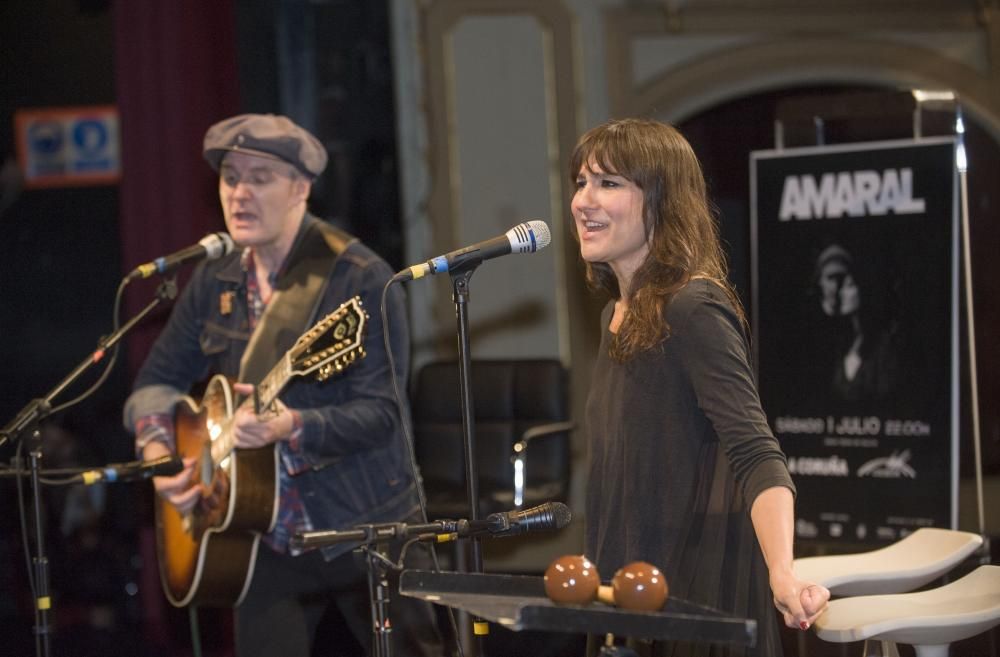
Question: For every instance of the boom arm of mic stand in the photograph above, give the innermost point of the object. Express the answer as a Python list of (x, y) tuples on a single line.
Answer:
[(38, 409), (372, 534)]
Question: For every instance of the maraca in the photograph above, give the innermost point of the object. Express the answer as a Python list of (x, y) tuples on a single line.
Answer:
[(571, 579), (639, 586)]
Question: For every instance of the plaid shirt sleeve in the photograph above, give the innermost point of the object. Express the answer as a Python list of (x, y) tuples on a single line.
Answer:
[(159, 428), (292, 457)]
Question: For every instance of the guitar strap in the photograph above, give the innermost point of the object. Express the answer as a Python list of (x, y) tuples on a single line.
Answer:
[(296, 297)]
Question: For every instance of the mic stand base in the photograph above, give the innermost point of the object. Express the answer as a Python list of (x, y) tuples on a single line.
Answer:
[(27, 422), (379, 594)]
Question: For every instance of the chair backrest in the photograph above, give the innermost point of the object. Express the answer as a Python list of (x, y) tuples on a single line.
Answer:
[(510, 397)]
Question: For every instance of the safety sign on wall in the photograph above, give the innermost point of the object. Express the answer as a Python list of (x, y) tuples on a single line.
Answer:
[(68, 146)]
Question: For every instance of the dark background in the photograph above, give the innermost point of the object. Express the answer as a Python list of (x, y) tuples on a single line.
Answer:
[(173, 68)]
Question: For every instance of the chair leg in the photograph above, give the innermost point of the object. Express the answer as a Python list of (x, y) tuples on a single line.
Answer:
[(931, 651), (878, 648)]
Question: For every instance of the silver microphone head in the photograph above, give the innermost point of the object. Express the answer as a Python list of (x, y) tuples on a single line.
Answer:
[(529, 236), (217, 245)]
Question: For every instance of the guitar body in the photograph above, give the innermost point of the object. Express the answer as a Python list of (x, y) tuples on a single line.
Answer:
[(207, 557)]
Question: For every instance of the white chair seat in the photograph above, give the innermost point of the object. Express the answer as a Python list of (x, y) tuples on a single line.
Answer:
[(931, 619), (907, 564)]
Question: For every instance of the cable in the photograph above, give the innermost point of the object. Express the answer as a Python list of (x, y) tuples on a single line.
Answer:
[(404, 419), (195, 630), (22, 515), (55, 476), (116, 324)]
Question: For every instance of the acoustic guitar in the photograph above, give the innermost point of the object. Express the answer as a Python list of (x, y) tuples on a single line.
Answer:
[(207, 555)]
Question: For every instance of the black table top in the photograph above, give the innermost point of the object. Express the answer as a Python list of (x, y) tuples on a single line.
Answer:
[(518, 602)]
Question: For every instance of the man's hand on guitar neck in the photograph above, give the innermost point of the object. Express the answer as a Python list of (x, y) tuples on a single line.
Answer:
[(251, 430)]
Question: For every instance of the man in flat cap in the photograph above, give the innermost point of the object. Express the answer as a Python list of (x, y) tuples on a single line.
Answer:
[(337, 446)]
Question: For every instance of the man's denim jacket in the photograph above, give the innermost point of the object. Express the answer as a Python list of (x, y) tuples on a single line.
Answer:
[(352, 440)]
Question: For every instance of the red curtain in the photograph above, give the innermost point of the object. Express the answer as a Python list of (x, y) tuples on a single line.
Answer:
[(175, 75)]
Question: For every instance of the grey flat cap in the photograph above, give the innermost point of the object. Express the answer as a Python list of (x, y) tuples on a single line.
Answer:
[(269, 135)]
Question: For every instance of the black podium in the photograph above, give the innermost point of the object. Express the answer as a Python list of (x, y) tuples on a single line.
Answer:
[(518, 602)]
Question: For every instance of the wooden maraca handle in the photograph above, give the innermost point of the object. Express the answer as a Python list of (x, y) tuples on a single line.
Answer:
[(606, 594)]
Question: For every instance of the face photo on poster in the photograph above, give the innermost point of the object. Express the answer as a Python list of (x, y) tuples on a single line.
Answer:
[(854, 301), (861, 319)]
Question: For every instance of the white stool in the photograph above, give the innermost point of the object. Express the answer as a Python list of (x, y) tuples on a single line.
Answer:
[(928, 620), (907, 564)]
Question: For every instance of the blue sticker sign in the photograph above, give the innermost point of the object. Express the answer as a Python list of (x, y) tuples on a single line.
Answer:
[(60, 147)]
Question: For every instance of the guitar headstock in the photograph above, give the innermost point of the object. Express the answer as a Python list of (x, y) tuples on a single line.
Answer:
[(333, 343)]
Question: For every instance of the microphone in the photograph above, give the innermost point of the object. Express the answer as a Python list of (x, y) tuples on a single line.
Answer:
[(135, 470), (544, 517), (212, 246), (526, 237)]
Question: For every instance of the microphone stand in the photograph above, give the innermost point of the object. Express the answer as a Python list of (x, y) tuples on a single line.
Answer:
[(378, 594), (27, 421), (373, 544), (43, 603), (460, 283), (372, 540)]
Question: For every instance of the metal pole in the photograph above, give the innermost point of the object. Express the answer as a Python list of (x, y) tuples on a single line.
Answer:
[(460, 281), (961, 163), (43, 603)]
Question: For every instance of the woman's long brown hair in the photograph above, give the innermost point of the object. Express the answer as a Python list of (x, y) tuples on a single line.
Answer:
[(681, 229)]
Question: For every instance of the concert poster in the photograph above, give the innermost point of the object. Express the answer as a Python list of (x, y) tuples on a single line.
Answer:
[(855, 323)]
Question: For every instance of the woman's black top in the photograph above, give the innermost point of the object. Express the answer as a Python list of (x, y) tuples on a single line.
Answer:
[(679, 449)]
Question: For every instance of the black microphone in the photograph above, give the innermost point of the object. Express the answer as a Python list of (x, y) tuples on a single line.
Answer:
[(163, 466), (544, 517), (526, 237), (212, 246)]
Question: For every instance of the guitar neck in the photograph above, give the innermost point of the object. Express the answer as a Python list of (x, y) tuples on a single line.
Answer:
[(327, 348), (264, 395), (272, 385)]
